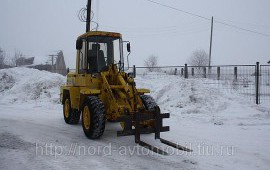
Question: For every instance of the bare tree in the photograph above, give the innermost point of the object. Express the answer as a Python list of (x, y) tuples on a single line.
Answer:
[(151, 62), (2, 58), (198, 58), (15, 59)]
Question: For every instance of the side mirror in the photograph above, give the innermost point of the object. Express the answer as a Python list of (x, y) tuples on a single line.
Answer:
[(79, 44), (128, 47)]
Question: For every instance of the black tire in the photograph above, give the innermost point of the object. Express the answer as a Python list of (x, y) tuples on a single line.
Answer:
[(73, 117), (96, 108), (149, 103)]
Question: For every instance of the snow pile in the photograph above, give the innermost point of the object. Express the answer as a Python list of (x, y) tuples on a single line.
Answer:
[(7, 82), (195, 99), (240, 141), (173, 93), (19, 85), (185, 96)]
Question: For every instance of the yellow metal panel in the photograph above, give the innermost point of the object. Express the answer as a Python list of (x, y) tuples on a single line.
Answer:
[(142, 91), (100, 33), (62, 92), (74, 93), (87, 91), (71, 79), (117, 87)]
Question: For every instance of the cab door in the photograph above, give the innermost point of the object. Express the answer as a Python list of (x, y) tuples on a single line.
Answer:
[(81, 65)]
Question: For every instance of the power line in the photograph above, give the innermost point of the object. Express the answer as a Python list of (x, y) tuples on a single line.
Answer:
[(244, 23), (240, 28), (180, 10), (205, 18)]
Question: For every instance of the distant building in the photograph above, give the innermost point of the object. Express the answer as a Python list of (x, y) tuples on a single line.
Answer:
[(57, 65), (22, 61), (60, 65)]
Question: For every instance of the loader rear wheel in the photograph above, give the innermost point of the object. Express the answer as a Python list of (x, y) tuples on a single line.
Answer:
[(93, 117), (71, 116)]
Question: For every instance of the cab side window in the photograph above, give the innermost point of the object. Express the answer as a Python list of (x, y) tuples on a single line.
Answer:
[(82, 59)]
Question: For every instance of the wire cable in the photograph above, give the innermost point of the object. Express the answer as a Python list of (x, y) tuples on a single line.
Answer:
[(180, 10), (205, 18), (240, 28)]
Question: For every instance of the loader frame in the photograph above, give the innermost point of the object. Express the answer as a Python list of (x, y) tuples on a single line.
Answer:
[(122, 100)]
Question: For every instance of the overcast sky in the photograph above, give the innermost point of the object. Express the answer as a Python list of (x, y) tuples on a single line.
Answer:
[(40, 27)]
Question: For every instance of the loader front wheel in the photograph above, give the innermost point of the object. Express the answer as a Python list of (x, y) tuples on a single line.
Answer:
[(150, 105), (148, 102), (71, 116), (93, 117)]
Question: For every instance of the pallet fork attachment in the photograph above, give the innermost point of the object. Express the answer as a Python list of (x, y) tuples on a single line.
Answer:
[(136, 119)]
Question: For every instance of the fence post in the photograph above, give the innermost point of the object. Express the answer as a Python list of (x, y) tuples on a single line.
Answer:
[(257, 76), (134, 71), (182, 72), (218, 73), (192, 71), (186, 71), (204, 72), (175, 71), (235, 73)]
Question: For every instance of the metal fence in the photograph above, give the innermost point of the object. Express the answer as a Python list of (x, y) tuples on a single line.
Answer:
[(264, 88), (252, 81), (240, 78), (158, 72)]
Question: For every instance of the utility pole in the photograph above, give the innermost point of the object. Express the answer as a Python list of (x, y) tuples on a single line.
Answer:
[(210, 51), (88, 17)]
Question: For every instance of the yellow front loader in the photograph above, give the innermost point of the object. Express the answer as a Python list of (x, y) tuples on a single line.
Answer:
[(100, 90)]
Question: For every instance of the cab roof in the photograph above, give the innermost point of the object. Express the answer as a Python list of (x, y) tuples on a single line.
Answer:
[(100, 33)]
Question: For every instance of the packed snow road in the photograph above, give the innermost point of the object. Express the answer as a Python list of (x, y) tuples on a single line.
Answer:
[(225, 131), (36, 138)]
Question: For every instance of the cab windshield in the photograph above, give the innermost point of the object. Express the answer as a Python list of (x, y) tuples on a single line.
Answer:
[(102, 52)]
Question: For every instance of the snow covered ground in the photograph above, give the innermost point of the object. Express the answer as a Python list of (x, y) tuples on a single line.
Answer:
[(226, 131)]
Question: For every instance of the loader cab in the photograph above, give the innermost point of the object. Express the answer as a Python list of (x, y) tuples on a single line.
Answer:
[(97, 50)]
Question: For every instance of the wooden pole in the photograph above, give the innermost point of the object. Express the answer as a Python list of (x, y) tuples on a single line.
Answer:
[(210, 50), (88, 17)]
